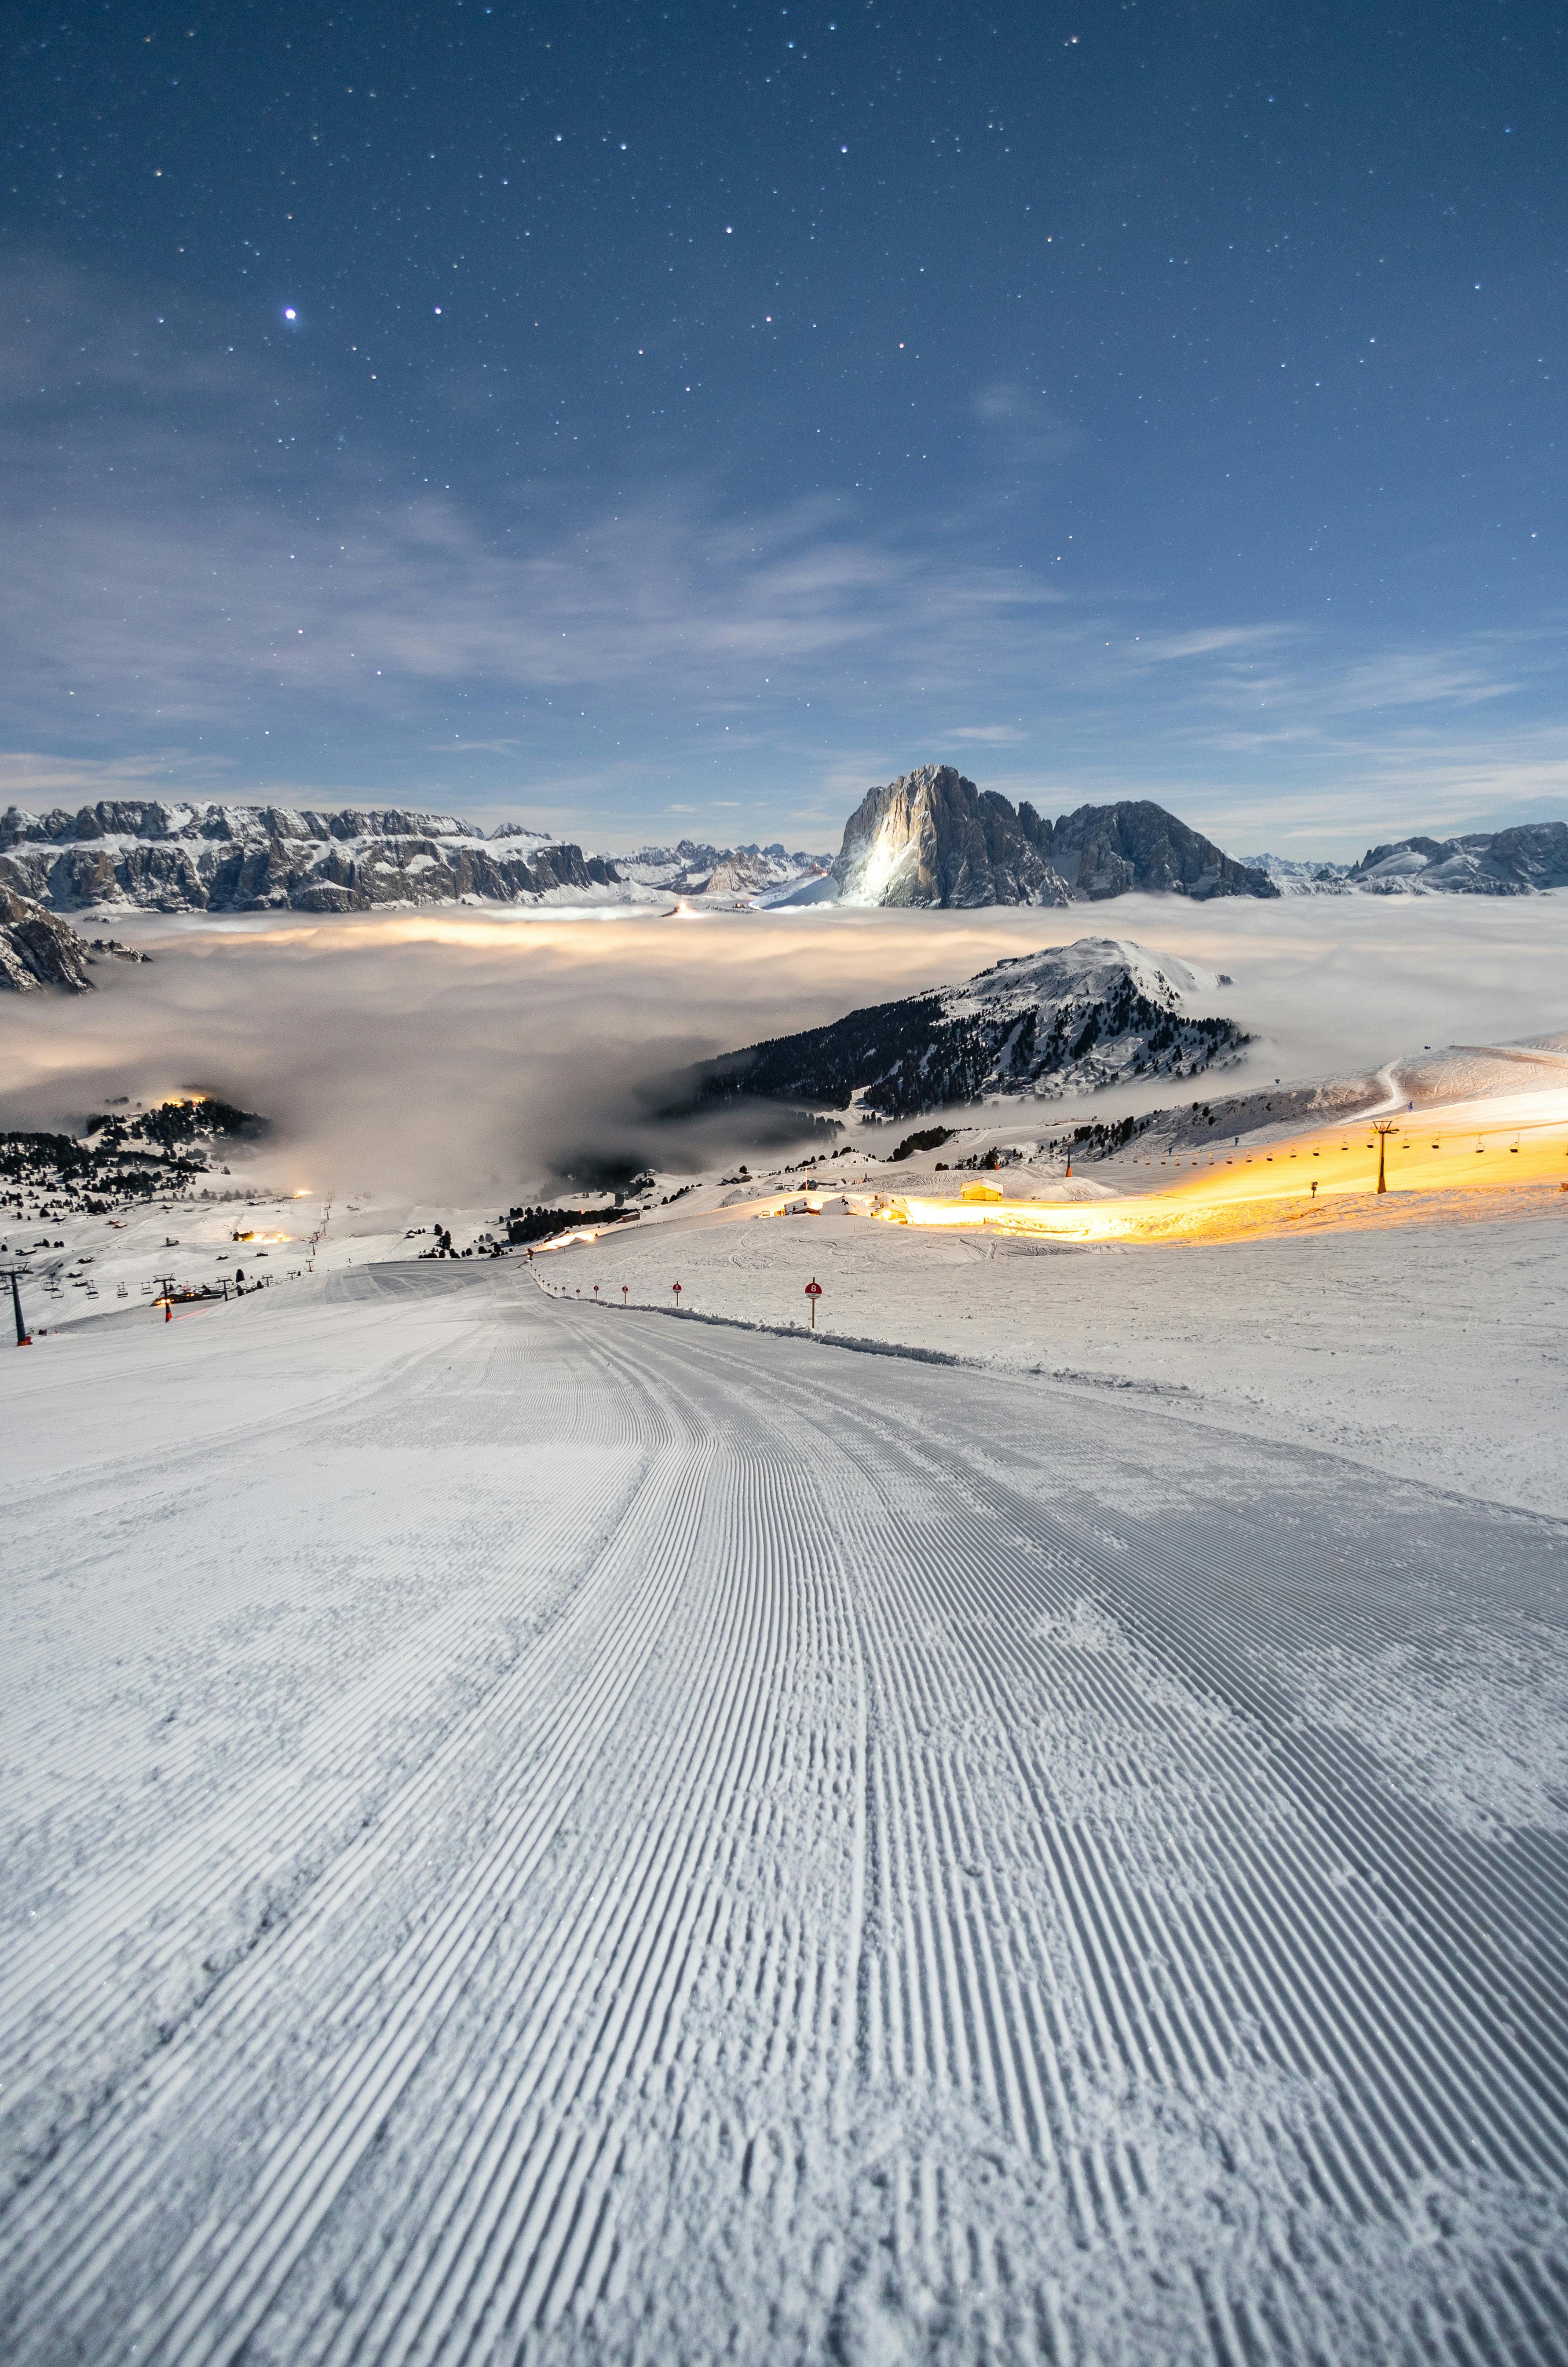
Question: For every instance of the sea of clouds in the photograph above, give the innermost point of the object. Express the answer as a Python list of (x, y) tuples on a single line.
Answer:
[(473, 1055)]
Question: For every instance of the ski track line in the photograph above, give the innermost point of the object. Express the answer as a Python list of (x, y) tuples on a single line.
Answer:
[(545, 2209), (59, 1984), (893, 1897), (1284, 1975), (569, 1710), (1105, 1981)]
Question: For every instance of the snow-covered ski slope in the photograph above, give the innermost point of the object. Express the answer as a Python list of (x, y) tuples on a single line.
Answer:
[(542, 1833)]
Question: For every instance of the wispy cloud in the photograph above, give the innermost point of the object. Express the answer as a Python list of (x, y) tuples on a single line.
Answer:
[(1210, 641), (204, 594), (1023, 425)]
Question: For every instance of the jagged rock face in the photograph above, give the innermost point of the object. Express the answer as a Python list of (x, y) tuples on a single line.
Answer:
[(153, 818), (1065, 1022), (932, 838), (38, 950), (1520, 862), (173, 858), (1103, 851)]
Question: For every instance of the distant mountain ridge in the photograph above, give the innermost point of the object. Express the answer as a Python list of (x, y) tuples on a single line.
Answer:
[(168, 856), (1526, 860), (1064, 1021), (171, 858), (932, 838), (1523, 861), (693, 869)]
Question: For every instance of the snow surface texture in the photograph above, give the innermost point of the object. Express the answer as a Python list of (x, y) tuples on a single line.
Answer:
[(576, 1836), (1429, 1350)]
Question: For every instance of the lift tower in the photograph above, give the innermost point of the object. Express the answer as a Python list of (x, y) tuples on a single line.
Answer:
[(1383, 1128)]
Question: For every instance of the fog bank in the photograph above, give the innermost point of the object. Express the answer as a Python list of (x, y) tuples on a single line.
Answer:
[(471, 1055)]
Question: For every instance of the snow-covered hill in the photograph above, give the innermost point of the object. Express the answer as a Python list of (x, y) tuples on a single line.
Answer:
[(1067, 1020), (1521, 862)]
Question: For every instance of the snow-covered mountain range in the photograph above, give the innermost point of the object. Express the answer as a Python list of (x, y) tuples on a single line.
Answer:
[(932, 838), (929, 839), (1523, 861), (170, 857), (1065, 1021), (766, 873)]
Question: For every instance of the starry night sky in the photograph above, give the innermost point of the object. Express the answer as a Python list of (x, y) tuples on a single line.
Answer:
[(646, 421)]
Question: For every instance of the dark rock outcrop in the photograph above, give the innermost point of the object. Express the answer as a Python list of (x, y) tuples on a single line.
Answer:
[(1104, 851)]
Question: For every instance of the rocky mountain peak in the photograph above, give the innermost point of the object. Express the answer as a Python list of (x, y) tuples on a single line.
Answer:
[(931, 837)]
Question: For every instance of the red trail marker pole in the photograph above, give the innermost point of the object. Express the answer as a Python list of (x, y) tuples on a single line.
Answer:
[(814, 1292), (676, 1288)]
